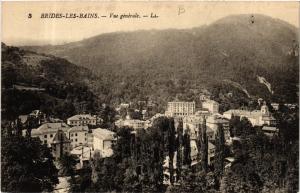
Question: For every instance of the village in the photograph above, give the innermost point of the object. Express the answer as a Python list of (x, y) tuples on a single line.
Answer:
[(82, 136)]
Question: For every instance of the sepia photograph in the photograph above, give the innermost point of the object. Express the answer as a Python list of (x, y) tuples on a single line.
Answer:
[(150, 97)]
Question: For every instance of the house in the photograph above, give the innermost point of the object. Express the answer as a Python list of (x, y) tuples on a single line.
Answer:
[(211, 105), (78, 135), (275, 106), (202, 113), (82, 119), (23, 118), (270, 131), (84, 154), (180, 109), (145, 114), (124, 105), (36, 113), (193, 123), (60, 144), (102, 142), (133, 123), (214, 121), (256, 117), (47, 131), (291, 106)]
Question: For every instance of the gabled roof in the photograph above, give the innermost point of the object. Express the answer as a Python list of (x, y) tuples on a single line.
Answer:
[(23, 118), (50, 128), (60, 137), (210, 101), (269, 128), (103, 134), (78, 129), (81, 117), (216, 119)]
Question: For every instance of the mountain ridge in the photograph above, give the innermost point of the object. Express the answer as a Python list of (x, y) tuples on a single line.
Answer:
[(238, 48)]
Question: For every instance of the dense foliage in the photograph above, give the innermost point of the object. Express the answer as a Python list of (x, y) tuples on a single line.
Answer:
[(53, 85), (26, 164)]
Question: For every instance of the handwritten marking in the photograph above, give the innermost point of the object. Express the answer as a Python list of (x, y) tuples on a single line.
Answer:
[(181, 10)]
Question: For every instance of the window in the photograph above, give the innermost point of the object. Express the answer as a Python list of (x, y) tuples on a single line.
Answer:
[(72, 140), (85, 139), (45, 136), (72, 135), (75, 139), (51, 135), (75, 134), (45, 141)]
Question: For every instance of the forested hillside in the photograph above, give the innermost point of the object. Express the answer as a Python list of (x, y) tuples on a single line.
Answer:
[(169, 64), (33, 81)]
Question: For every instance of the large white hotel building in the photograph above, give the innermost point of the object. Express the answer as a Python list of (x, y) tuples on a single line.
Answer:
[(180, 109)]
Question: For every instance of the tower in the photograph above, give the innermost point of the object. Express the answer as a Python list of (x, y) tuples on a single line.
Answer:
[(265, 110)]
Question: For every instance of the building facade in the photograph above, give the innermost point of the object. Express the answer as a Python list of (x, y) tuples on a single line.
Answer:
[(46, 131), (132, 123), (102, 142), (213, 123), (256, 117), (60, 144), (82, 120), (211, 106), (78, 135), (180, 109)]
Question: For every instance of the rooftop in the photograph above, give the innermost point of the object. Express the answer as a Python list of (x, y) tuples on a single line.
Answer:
[(216, 119), (50, 128), (78, 128), (103, 134), (81, 116), (268, 128), (255, 113), (210, 101)]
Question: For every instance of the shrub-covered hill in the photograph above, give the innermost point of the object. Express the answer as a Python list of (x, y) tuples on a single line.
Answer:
[(165, 64), (37, 81)]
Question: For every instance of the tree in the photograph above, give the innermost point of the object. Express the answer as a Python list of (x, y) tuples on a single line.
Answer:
[(219, 152), (171, 148), (68, 163), (179, 149), (187, 148), (27, 165), (203, 145)]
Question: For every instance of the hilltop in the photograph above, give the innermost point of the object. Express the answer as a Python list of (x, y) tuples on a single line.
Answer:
[(38, 81), (169, 64)]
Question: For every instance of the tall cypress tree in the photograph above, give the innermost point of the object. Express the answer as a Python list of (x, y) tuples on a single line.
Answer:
[(204, 146), (171, 148), (187, 148), (179, 149), (219, 153)]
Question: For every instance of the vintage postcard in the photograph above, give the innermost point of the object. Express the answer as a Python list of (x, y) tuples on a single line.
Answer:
[(150, 96)]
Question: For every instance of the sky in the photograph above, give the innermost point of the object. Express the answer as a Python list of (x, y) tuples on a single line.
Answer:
[(18, 29)]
